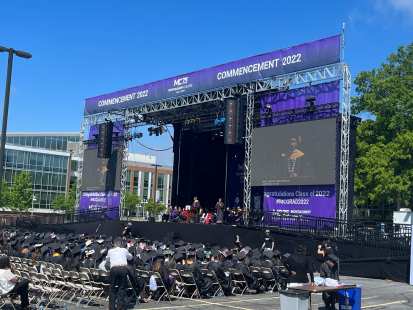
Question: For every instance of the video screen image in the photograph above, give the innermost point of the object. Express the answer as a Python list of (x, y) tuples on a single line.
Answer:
[(101, 174), (294, 154)]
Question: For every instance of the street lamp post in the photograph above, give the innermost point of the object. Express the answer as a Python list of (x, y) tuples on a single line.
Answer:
[(155, 181), (11, 53)]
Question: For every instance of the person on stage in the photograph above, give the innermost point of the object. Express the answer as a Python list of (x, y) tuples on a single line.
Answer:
[(196, 208), (219, 206)]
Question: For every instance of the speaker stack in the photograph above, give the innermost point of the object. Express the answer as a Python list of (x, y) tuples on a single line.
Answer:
[(105, 140), (232, 124)]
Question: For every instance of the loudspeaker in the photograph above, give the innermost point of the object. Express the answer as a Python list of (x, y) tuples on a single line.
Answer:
[(232, 126), (105, 140)]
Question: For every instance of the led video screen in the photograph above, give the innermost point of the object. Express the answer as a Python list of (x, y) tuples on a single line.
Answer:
[(294, 154), (101, 174)]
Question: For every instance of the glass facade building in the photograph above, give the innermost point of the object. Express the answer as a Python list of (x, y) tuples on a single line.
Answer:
[(46, 157)]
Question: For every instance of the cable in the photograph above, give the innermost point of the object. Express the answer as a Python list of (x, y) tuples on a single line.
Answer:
[(170, 135), (153, 149)]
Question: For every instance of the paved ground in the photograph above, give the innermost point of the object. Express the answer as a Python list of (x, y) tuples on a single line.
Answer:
[(376, 294)]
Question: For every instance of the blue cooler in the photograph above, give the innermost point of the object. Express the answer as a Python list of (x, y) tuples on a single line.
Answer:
[(349, 299)]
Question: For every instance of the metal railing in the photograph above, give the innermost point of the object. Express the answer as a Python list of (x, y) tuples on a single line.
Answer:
[(375, 234), (80, 216)]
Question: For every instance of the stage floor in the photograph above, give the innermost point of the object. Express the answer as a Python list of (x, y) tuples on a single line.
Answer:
[(376, 294)]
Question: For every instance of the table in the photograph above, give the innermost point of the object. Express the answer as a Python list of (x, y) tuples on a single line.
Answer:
[(310, 289)]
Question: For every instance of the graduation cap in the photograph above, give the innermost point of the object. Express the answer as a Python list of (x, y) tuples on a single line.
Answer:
[(43, 250), (268, 254), (333, 258), (179, 256), (168, 252), (200, 254), (179, 243), (54, 246), (89, 252), (76, 250), (242, 255), (100, 241)]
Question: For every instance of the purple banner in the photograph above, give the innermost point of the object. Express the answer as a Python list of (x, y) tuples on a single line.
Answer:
[(317, 201), (275, 109), (300, 57), (100, 201)]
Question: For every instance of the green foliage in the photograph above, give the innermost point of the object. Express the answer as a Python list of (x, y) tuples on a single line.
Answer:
[(5, 196), (131, 200), (21, 193), (65, 203), (154, 208), (384, 164), (59, 202)]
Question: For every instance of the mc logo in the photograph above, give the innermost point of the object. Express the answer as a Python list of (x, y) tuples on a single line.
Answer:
[(181, 81)]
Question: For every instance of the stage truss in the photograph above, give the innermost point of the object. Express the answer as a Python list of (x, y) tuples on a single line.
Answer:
[(323, 74)]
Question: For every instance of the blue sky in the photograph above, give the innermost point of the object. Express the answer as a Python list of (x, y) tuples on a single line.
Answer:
[(86, 48)]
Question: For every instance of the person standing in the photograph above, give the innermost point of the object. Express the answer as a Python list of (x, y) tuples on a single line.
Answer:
[(269, 242), (329, 269), (219, 206), (117, 258), (300, 267), (196, 208)]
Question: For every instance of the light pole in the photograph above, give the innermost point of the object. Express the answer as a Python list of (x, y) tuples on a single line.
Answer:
[(11, 52), (155, 183)]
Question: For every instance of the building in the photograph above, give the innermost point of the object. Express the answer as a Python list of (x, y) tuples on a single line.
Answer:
[(48, 156), (143, 175)]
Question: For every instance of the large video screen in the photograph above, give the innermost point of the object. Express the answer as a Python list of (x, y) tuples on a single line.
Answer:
[(101, 174), (294, 154)]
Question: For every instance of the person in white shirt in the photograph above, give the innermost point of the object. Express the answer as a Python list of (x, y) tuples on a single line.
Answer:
[(117, 259), (10, 284)]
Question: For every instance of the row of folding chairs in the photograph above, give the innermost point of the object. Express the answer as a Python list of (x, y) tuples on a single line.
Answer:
[(55, 285)]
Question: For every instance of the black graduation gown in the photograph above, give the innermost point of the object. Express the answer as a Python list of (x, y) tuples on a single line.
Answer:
[(225, 281)]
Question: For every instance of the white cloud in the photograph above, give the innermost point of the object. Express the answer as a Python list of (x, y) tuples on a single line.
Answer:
[(405, 6)]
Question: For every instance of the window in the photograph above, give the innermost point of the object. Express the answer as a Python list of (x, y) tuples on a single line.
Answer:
[(145, 185), (127, 180), (136, 182), (160, 191)]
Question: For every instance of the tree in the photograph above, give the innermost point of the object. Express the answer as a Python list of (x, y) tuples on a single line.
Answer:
[(59, 202), (5, 196), (154, 208), (63, 203), (384, 162), (21, 193), (131, 200)]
